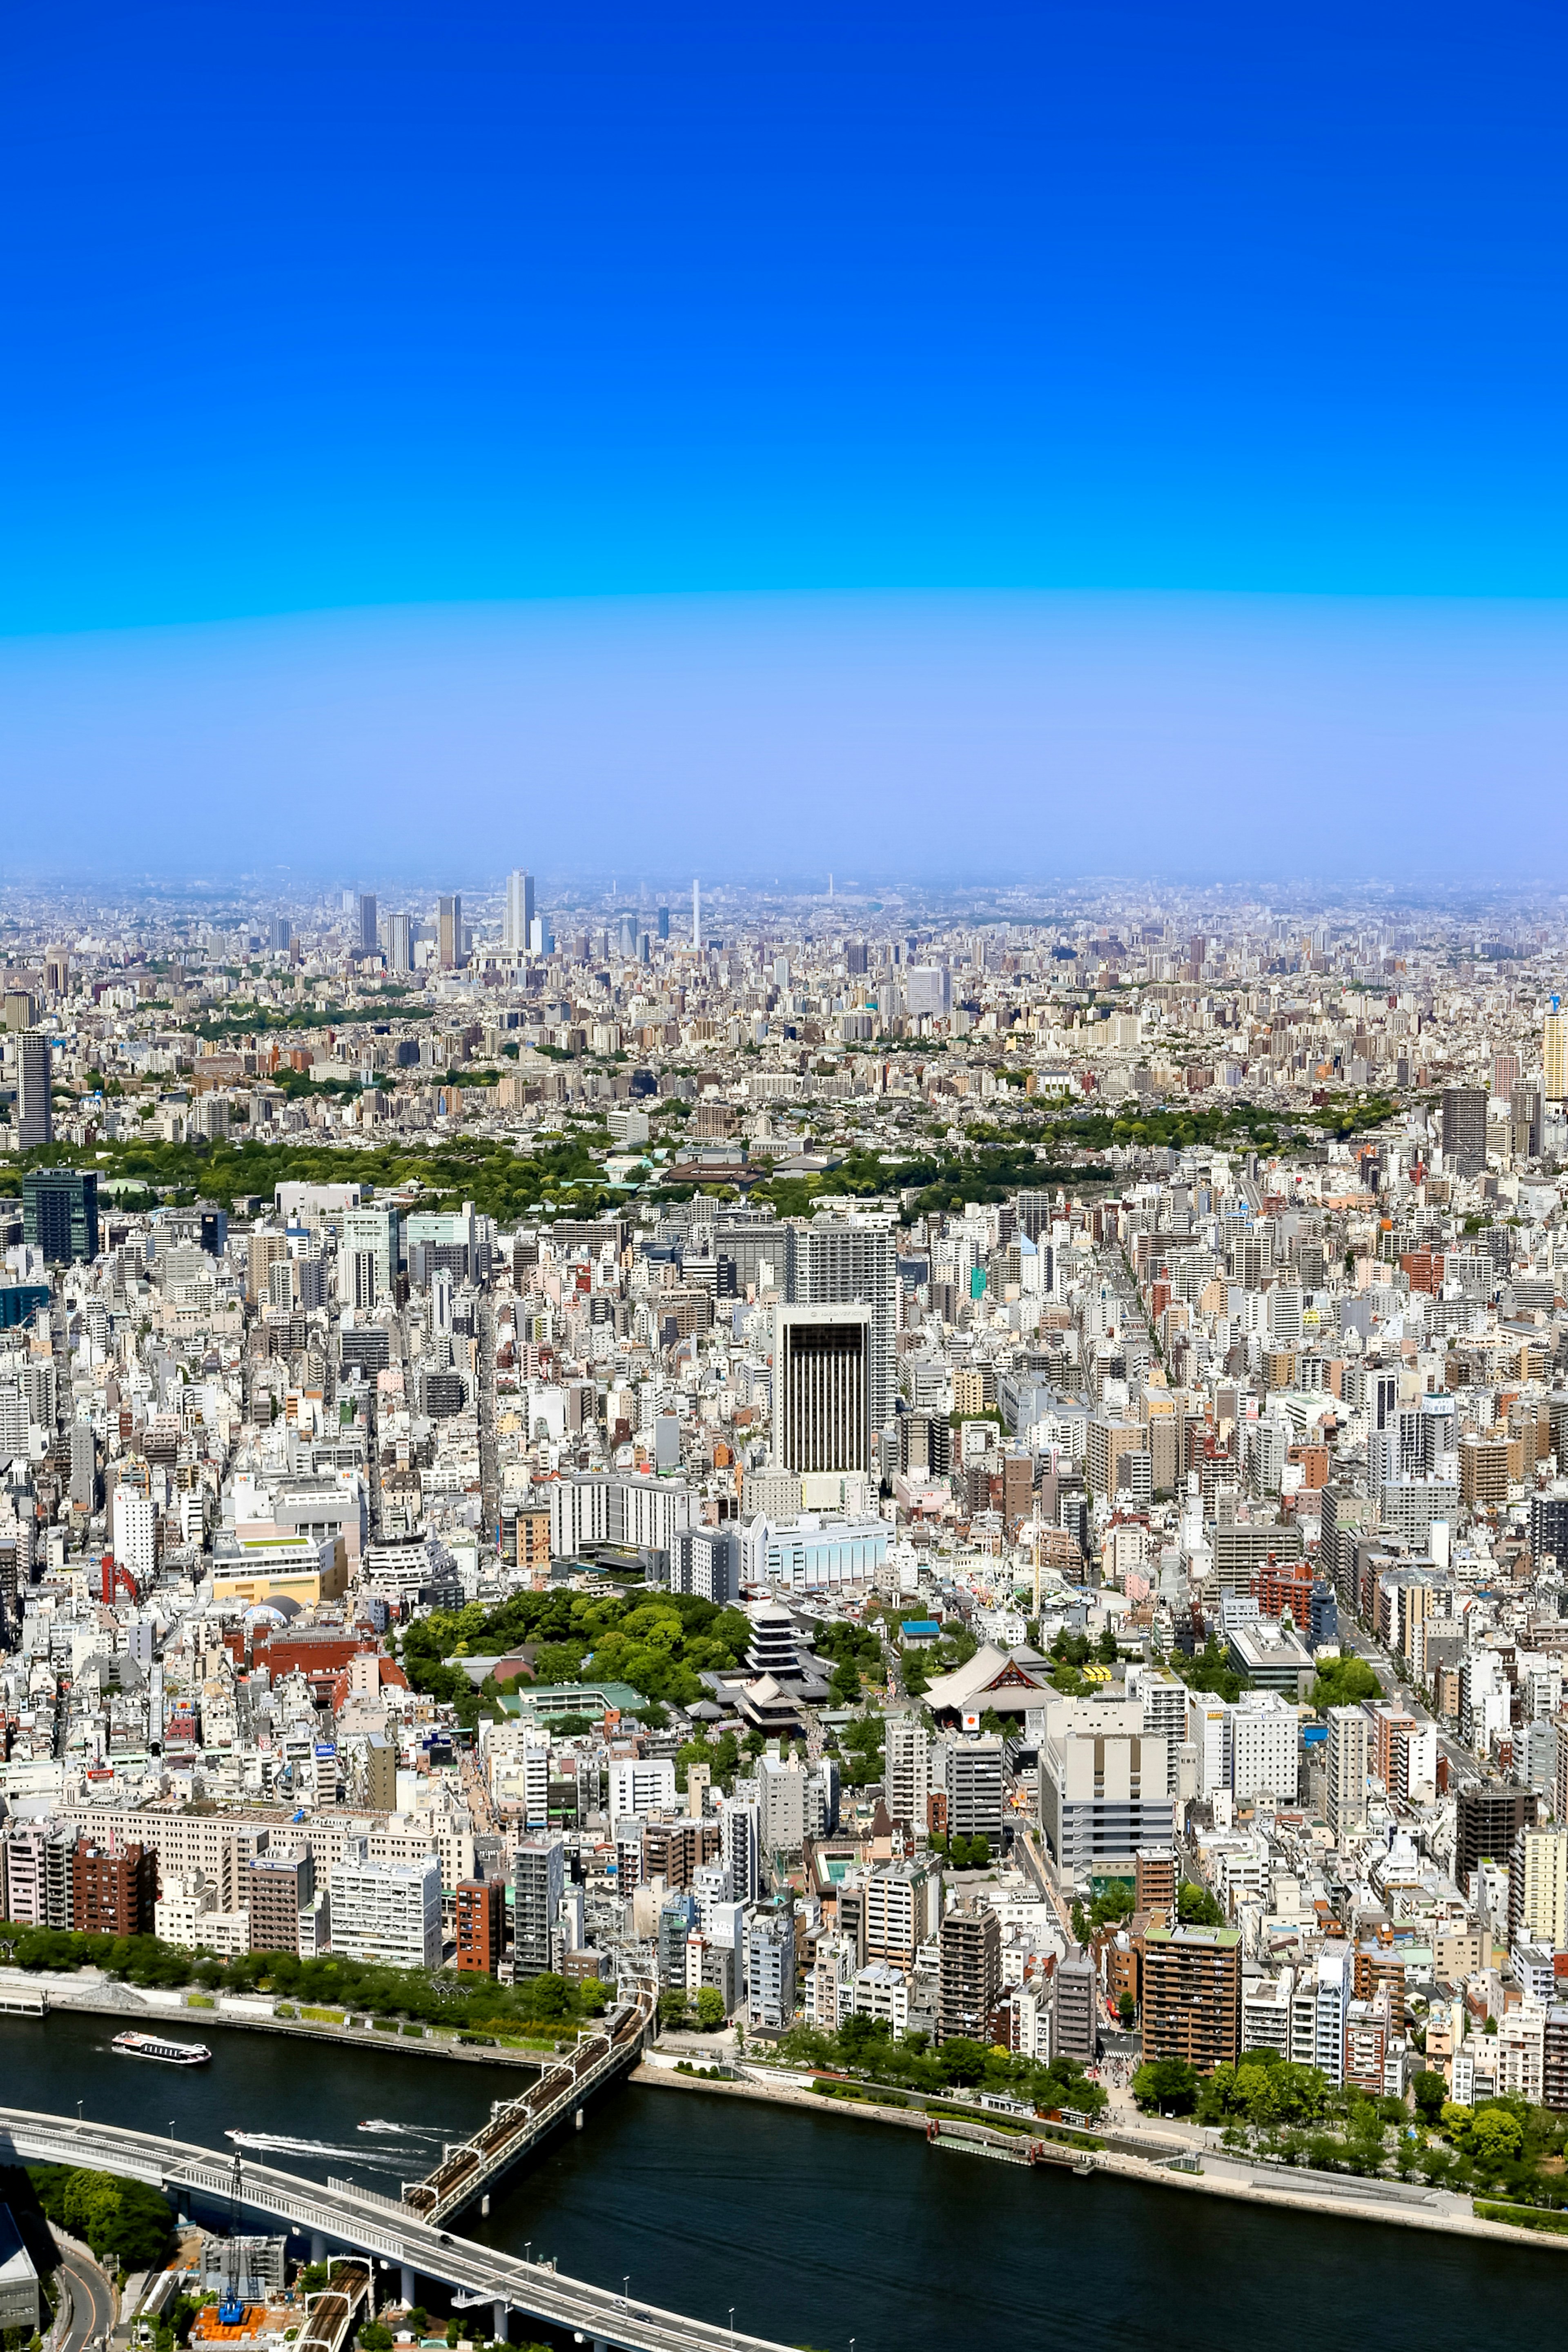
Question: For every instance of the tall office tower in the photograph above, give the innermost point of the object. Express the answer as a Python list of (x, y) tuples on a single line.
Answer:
[(848, 1257), (449, 933), (1524, 1116), (517, 917), (664, 923), (822, 1364), (1554, 1054), (696, 914), (1464, 1129), (367, 934), (280, 935), (1346, 1803), (857, 957), (399, 944), (60, 1213), (35, 1116)]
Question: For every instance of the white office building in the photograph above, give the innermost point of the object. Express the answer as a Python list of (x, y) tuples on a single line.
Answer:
[(640, 1784), (387, 1912)]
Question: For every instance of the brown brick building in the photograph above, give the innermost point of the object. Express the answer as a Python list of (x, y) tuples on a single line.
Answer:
[(113, 1894), (481, 1922), (1192, 1995), (278, 1887)]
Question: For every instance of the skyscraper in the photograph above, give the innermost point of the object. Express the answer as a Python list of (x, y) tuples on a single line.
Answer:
[(35, 1116), (517, 917), (60, 1213), (280, 935), (822, 1364), (367, 934), (1464, 1129), (848, 1256), (399, 949), (449, 933), (1554, 1054), (697, 914)]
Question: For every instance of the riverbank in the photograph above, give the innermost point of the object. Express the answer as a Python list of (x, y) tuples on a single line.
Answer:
[(1336, 2196), (91, 1994)]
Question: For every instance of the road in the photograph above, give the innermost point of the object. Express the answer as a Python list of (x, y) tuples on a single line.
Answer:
[(339, 2214), (92, 2302)]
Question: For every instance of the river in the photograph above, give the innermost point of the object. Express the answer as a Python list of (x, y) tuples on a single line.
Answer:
[(818, 2229)]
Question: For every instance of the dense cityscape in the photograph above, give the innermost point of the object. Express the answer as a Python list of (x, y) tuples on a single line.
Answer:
[(943, 1507)]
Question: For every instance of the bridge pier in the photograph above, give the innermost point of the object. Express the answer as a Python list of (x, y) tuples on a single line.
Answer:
[(410, 2287), (318, 2246), (498, 2316)]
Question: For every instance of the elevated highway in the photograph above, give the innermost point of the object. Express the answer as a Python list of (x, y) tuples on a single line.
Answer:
[(394, 2233)]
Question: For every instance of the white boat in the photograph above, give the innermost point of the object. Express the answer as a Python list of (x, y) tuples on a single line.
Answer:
[(168, 2053)]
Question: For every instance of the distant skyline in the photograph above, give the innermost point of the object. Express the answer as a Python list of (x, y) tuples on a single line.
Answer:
[(944, 738), (858, 408)]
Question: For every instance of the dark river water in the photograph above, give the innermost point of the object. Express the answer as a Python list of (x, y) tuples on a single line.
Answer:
[(818, 2229)]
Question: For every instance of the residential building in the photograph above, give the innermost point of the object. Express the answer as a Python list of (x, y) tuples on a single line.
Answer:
[(970, 1971), (1192, 1995), (481, 1912), (538, 1882)]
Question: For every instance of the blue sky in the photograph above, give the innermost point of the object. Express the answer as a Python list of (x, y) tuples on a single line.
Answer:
[(316, 310)]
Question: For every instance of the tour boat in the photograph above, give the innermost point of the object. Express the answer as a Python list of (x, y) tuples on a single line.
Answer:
[(170, 2053)]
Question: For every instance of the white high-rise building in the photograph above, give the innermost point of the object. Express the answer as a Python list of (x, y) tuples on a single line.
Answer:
[(517, 920), (641, 1785), (909, 1769), (697, 914), (387, 1912), (372, 1233), (1347, 1761), (136, 1532), (1265, 1732)]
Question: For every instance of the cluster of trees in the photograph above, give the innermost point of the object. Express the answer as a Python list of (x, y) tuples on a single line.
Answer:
[(327, 1981), (129, 2227), (659, 1646), (704, 2010), (964, 1853), (1210, 1670), (865, 2045), (862, 1752), (1504, 2144), (1344, 1681), (1195, 1907), (504, 1184), (854, 1653)]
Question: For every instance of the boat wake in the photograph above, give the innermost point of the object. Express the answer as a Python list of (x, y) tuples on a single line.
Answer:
[(281, 2144), (379, 2124)]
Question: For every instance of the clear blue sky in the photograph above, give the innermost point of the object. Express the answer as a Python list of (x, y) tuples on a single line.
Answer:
[(340, 306)]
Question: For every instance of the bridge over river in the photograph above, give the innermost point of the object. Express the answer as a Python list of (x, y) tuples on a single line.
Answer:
[(409, 2232)]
